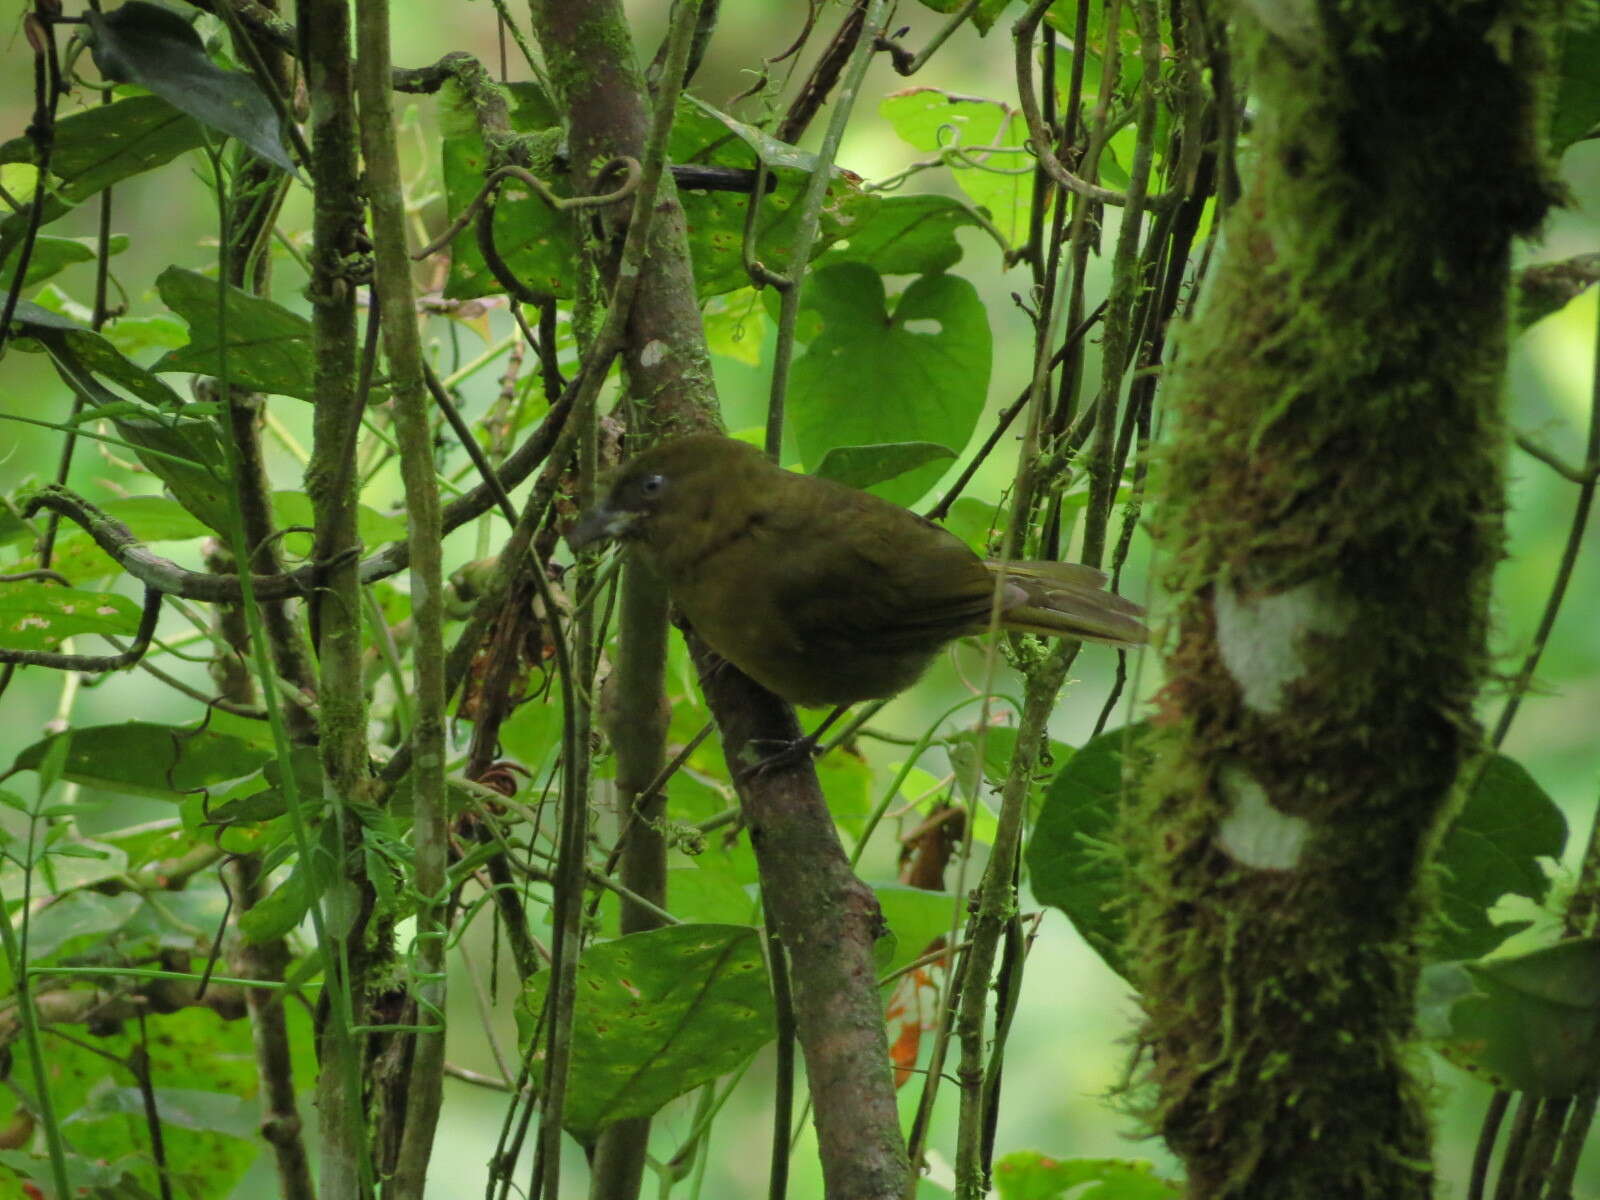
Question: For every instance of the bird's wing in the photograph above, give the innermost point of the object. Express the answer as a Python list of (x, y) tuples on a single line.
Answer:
[(1068, 600), (881, 575)]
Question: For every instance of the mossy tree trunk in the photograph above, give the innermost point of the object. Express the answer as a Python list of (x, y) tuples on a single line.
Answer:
[(1333, 513)]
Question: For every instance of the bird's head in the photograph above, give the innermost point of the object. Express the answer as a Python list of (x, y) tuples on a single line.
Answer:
[(674, 477)]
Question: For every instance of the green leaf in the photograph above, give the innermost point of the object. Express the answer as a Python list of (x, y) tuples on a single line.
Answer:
[(154, 518), (63, 865), (294, 508), (908, 235), (268, 349), (97, 148), (932, 120), (1576, 111), (186, 1108), (1029, 1175), (534, 240), (38, 616), (78, 920), (53, 254), (977, 523), (1071, 857), (864, 466), (182, 451), (916, 917), (658, 1014), (927, 363), (277, 913), (158, 50), (146, 759), (1492, 849), (1530, 1023), (716, 218)]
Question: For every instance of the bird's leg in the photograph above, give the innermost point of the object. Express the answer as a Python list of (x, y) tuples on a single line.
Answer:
[(792, 753)]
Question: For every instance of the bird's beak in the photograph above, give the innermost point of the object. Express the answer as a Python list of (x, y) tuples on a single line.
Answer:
[(599, 524)]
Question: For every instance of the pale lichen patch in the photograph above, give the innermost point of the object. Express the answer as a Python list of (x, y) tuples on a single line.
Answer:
[(1263, 638), (1255, 834)]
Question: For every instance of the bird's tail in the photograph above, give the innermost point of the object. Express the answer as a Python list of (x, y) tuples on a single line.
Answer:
[(1067, 600)]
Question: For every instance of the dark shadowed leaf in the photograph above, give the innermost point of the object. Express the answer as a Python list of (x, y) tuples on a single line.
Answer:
[(157, 49), (1530, 1022), (864, 466), (869, 376), (147, 759), (181, 451), (1576, 112), (269, 347), (1492, 849), (53, 254), (658, 1013), (97, 148), (1073, 862)]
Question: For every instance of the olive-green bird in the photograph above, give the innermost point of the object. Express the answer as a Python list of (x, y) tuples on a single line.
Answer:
[(820, 593)]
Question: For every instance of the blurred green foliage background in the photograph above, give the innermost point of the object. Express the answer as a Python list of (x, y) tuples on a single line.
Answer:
[(1070, 1043)]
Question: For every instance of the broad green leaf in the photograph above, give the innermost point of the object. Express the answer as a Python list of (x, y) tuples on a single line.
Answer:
[(716, 219), (1072, 862), (186, 1108), (158, 50), (1492, 849), (978, 523), (658, 1014), (907, 235), (194, 1046), (77, 920), (916, 917), (277, 913), (268, 347), (984, 16), (38, 616), (97, 148), (1029, 1175), (1576, 112), (182, 451), (260, 796), (535, 241), (865, 466), (708, 897), (991, 169), (53, 254), (154, 518), (736, 325), (61, 865), (926, 364), (1530, 1022), (294, 508), (146, 759)]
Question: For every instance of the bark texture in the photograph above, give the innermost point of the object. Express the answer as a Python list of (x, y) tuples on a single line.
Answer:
[(1333, 514)]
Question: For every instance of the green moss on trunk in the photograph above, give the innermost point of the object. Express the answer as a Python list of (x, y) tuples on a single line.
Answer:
[(1333, 515)]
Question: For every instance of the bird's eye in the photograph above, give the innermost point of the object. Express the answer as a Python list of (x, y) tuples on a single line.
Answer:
[(652, 485)]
